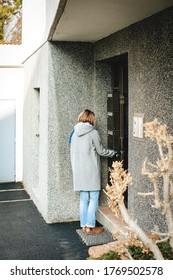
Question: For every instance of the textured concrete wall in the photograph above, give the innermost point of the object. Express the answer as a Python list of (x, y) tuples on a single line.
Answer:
[(75, 83), (35, 166), (68, 82), (150, 65), (71, 67)]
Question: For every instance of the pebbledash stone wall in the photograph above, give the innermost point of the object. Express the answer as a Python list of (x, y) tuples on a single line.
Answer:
[(70, 92), (72, 76), (150, 70)]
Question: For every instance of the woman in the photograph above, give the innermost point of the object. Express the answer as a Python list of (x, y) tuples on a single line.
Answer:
[(86, 149)]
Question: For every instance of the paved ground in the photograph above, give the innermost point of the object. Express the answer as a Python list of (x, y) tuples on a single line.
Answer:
[(24, 235)]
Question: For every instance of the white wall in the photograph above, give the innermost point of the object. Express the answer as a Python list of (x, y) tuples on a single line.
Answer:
[(11, 87), (11, 55), (38, 16), (37, 19)]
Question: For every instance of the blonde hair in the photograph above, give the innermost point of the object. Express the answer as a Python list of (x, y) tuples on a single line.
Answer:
[(87, 116)]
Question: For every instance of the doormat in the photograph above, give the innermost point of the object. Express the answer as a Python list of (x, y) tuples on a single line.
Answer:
[(95, 239)]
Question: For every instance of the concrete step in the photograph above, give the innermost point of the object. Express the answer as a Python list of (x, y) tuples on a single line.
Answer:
[(107, 218)]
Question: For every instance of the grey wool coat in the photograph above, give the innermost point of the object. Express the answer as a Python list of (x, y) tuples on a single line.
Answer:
[(86, 149)]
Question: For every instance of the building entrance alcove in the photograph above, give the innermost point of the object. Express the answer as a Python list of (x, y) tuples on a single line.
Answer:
[(117, 129), (117, 110)]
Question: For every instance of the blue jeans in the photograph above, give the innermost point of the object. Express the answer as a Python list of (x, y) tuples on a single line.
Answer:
[(88, 208)]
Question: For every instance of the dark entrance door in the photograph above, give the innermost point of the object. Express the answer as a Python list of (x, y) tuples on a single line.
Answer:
[(117, 106)]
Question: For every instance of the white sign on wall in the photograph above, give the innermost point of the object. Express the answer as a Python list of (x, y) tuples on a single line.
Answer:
[(138, 120)]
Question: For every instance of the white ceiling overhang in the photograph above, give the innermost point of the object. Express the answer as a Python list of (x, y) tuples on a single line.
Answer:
[(92, 20)]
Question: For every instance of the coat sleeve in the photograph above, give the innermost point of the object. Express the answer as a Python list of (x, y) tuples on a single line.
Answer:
[(99, 147)]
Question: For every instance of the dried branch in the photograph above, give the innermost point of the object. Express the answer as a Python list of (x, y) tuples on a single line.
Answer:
[(163, 168), (120, 179), (163, 240)]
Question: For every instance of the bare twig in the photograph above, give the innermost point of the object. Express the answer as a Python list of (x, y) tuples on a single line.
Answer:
[(120, 180)]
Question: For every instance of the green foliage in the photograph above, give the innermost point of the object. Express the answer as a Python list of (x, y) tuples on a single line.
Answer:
[(137, 254), (166, 250), (1, 36), (5, 12), (108, 256), (18, 3)]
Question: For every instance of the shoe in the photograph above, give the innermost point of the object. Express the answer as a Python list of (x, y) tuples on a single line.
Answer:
[(95, 230), (84, 229)]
